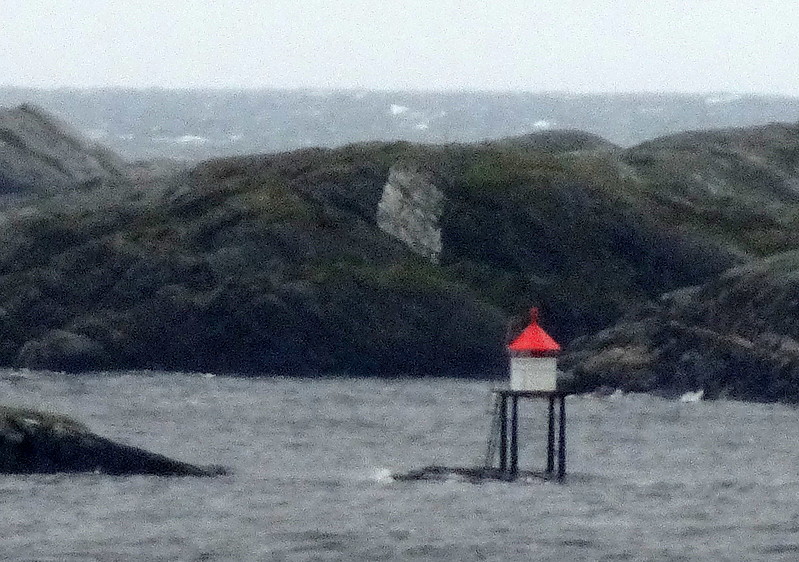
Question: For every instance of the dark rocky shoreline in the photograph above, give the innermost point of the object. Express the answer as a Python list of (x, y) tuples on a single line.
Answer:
[(33, 442), (386, 259)]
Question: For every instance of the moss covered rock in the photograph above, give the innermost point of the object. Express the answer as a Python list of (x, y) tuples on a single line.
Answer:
[(288, 264)]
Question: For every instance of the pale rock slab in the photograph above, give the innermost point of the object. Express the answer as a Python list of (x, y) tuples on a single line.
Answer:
[(409, 210)]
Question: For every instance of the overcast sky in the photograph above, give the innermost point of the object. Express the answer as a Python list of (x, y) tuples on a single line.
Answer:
[(532, 45)]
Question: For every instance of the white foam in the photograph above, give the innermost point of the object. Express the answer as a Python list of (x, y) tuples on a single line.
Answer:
[(381, 475), (721, 99), (192, 139), (185, 139), (692, 396)]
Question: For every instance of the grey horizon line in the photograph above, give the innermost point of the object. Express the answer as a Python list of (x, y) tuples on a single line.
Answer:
[(443, 91)]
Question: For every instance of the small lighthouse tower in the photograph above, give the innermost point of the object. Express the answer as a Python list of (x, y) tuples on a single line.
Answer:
[(533, 374), (533, 359)]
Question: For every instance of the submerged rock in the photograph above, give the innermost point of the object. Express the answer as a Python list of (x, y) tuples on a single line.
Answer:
[(33, 442), (473, 475)]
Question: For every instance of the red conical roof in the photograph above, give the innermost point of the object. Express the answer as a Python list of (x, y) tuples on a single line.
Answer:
[(534, 339)]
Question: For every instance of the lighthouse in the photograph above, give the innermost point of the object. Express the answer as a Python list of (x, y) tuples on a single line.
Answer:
[(533, 376), (533, 359)]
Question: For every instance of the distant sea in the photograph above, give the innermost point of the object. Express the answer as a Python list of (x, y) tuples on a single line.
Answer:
[(649, 479), (200, 124)]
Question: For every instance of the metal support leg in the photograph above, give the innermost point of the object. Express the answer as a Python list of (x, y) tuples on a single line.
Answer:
[(551, 437), (562, 439), (514, 437), (503, 433)]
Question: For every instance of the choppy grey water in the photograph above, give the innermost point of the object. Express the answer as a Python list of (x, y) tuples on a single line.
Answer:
[(650, 479)]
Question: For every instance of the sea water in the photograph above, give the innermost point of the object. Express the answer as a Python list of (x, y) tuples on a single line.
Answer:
[(649, 479)]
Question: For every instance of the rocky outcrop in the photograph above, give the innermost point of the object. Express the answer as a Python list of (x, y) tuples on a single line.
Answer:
[(554, 141), (735, 337), (63, 350), (739, 186), (283, 264), (40, 154), (33, 442), (395, 259), (409, 210)]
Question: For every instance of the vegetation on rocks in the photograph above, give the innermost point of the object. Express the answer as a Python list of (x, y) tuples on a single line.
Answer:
[(276, 263), (41, 155), (733, 337)]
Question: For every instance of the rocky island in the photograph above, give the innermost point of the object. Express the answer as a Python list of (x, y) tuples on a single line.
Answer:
[(33, 442), (663, 267)]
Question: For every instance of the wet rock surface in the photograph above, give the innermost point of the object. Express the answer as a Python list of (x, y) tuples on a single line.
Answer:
[(472, 475), (33, 442), (735, 337)]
